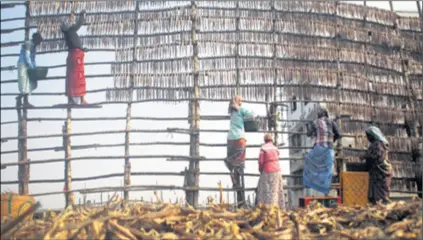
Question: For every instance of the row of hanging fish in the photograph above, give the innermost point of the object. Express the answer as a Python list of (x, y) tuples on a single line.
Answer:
[(145, 94), (404, 184), (416, 86), (171, 80), (155, 67), (155, 53), (358, 128), (261, 20), (251, 92), (396, 143)]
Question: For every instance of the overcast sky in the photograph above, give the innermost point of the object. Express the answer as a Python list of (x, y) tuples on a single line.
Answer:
[(100, 167)]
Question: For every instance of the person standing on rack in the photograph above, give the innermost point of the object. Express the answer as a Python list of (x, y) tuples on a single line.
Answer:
[(270, 186), (27, 62), (318, 163), (236, 143), (75, 71), (378, 166)]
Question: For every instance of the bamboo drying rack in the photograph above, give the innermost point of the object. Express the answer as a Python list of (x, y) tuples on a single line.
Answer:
[(266, 51)]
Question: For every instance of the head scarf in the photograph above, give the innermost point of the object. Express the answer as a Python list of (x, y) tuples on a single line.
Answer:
[(322, 112), (268, 137), (377, 134)]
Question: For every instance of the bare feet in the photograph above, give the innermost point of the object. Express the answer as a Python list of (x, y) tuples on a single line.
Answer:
[(71, 102), (28, 105), (83, 101)]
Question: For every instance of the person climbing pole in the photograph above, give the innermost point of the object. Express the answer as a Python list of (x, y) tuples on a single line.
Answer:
[(75, 71), (27, 62)]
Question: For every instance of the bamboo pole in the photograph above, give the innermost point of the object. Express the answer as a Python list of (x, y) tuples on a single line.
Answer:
[(127, 168), (340, 164), (69, 197), (275, 80), (237, 20), (194, 168), (419, 185), (366, 66), (23, 172)]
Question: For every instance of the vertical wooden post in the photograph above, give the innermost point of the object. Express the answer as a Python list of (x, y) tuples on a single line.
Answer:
[(193, 178), (275, 72), (366, 65), (69, 197), (419, 186), (338, 156), (237, 90), (23, 170), (127, 168)]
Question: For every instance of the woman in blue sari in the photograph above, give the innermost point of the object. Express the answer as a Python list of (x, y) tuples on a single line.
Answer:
[(318, 163), (27, 61)]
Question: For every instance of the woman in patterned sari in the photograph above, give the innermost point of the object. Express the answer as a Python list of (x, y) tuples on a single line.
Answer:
[(378, 165), (270, 187), (236, 146)]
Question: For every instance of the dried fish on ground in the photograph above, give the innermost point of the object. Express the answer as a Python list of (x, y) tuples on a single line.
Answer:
[(165, 221)]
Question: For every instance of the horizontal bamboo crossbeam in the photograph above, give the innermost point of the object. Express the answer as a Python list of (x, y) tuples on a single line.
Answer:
[(11, 5), (10, 30), (204, 118), (281, 85), (95, 146), (168, 130), (280, 103), (60, 51), (13, 19), (96, 158), (157, 187), (61, 78), (172, 158), (180, 174), (105, 176)]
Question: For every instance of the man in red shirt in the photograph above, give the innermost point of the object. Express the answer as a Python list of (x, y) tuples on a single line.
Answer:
[(270, 188)]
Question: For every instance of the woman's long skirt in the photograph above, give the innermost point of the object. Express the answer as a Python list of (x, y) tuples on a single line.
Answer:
[(75, 74), (318, 169), (24, 84), (236, 153), (270, 189), (379, 187)]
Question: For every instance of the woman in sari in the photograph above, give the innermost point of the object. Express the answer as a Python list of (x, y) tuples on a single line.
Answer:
[(318, 163), (270, 187), (75, 69), (378, 165), (236, 146), (27, 61)]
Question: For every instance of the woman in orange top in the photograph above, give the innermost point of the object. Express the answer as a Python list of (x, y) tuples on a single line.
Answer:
[(270, 188)]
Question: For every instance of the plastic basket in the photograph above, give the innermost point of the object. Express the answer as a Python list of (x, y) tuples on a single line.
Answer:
[(13, 205)]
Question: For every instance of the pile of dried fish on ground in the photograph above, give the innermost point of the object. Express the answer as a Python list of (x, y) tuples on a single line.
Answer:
[(166, 221)]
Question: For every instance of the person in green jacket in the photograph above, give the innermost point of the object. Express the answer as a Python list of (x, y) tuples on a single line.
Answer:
[(236, 143)]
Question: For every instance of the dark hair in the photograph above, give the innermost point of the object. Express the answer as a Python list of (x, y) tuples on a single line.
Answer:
[(323, 113), (37, 36)]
